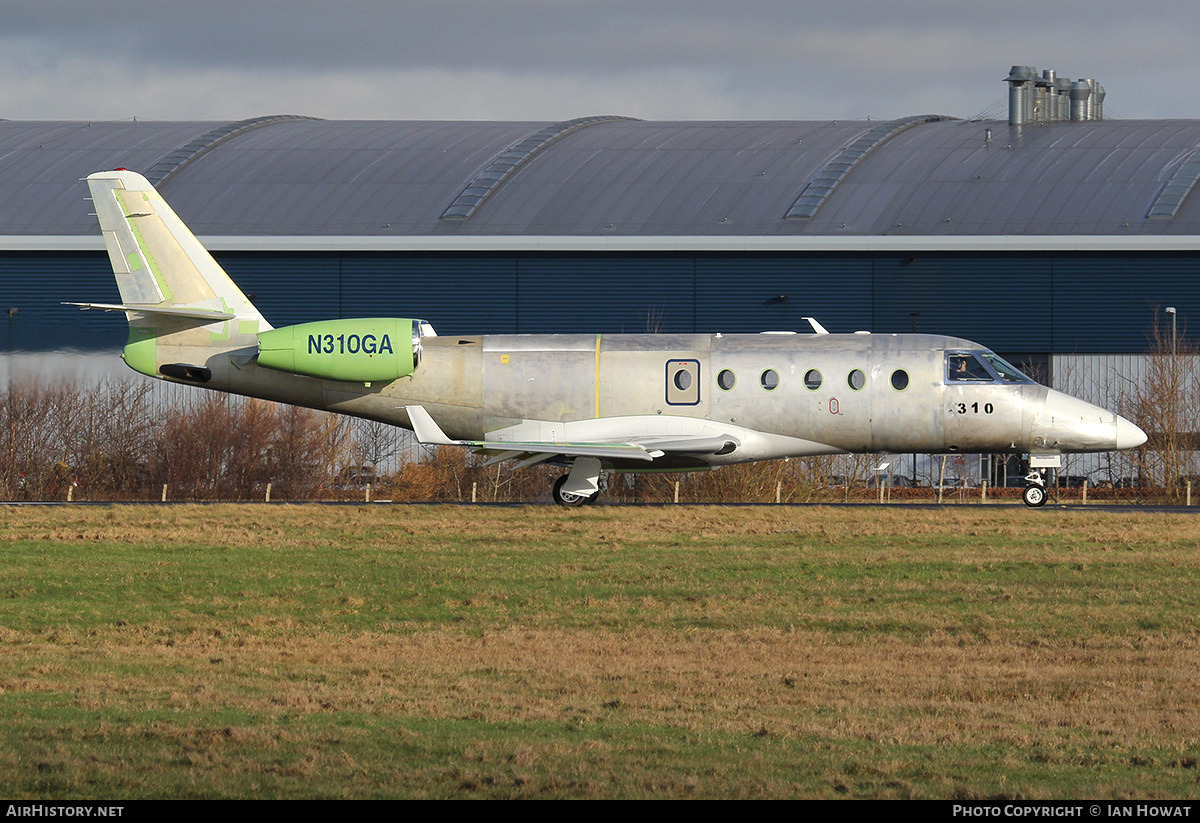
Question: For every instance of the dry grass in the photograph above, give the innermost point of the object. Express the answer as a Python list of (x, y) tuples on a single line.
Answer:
[(440, 652)]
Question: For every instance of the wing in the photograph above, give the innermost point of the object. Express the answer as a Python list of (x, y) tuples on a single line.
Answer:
[(646, 449)]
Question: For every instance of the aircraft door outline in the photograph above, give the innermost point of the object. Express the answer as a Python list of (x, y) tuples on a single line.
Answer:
[(683, 382)]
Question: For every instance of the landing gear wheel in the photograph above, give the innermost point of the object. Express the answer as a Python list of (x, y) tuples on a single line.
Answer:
[(567, 499), (1034, 496)]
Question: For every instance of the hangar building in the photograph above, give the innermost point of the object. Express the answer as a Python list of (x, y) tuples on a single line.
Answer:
[(1038, 237)]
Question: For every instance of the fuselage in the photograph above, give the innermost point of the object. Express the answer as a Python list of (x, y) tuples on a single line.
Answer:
[(776, 395)]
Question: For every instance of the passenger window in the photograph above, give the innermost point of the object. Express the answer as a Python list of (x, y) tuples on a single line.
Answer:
[(899, 380), (769, 379), (812, 380), (726, 380), (856, 379)]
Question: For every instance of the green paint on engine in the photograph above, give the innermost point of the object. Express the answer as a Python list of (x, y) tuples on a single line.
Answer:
[(359, 351)]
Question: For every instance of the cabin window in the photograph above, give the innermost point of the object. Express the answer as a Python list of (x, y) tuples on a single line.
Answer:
[(769, 379), (812, 380), (856, 379), (726, 380), (899, 380)]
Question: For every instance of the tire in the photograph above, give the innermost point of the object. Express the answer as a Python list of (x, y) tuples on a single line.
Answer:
[(567, 499), (1034, 496)]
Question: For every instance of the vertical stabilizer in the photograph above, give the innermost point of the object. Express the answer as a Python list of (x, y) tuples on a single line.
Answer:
[(158, 262), (174, 293)]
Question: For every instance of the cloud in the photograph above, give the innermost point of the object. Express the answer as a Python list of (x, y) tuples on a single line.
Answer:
[(555, 59), (106, 90)]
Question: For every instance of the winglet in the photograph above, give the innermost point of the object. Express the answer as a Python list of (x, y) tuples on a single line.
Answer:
[(428, 432)]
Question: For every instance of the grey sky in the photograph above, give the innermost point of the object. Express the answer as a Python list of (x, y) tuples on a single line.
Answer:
[(544, 60)]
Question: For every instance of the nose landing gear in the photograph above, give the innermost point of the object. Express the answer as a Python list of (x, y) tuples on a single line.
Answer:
[(1035, 493)]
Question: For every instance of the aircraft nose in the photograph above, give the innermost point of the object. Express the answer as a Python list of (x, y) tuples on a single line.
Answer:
[(1073, 425), (1129, 435)]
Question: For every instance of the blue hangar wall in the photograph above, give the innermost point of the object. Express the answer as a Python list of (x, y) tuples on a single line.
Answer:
[(1029, 303)]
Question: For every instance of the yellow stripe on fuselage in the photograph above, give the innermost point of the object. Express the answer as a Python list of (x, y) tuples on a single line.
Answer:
[(597, 388)]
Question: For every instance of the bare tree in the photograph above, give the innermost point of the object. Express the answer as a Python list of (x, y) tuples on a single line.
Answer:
[(27, 420), (374, 444), (1165, 402)]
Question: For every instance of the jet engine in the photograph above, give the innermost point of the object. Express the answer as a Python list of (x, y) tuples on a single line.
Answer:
[(368, 350)]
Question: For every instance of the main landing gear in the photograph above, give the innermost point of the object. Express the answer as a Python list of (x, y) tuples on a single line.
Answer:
[(1035, 494), (570, 499), (582, 486)]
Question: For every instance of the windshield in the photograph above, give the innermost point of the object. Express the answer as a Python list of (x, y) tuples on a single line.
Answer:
[(981, 367), (1007, 371)]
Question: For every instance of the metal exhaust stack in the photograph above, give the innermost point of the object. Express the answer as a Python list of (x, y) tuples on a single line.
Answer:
[(1062, 107), (1043, 96), (1048, 97), (1081, 91), (1019, 78)]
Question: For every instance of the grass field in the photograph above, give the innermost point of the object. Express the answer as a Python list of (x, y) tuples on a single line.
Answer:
[(409, 651)]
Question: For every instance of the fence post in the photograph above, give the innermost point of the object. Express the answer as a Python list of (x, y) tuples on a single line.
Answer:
[(676, 491), (1084, 502), (983, 492), (267, 499), (474, 485), (164, 497)]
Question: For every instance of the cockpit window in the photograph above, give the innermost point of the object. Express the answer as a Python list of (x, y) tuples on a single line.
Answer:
[(966, 366), (1007, 371), (981, 367)]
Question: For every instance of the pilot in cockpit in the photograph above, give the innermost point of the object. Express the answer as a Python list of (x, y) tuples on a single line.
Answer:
[(964, 366)]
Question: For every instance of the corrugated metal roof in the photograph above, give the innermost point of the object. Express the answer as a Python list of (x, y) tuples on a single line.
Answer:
[(620, 178), (41, 166)]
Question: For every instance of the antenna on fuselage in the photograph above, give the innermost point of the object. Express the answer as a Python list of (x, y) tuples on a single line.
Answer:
[(816, 327)]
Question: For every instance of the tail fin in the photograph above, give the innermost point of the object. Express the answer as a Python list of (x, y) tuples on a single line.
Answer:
[(172, 290)]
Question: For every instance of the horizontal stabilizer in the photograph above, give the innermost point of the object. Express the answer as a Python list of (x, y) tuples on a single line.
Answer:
[(174, 311)]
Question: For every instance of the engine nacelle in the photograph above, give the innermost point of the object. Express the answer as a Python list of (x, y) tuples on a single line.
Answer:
[(369, 350)]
